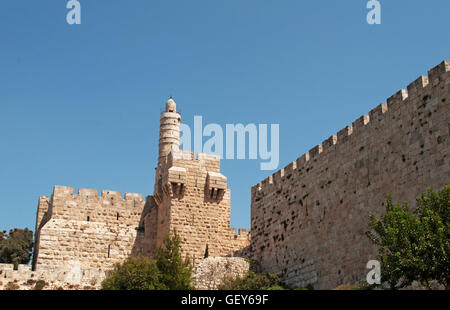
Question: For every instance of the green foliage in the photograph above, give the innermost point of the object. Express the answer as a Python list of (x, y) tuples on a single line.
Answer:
[(303, 288), (253, 281), (39, 285), (16, 247), (175, 273), (136, 273), (346, 287), (414, 246), (365, 286), (434, 214), (167, 272)]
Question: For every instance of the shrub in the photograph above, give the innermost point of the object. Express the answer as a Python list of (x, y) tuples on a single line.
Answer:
[(136, 273), (167, 272), (40, 284), (346, 287), (303, 288), (414, 246), (363, 285), (16, 247), (253, 281), (175, 273)]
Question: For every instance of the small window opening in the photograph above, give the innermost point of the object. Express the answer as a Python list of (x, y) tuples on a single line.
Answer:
[(109, 250), (112, 202), (117, 217), (88, 218), (206, 252), (87, 199), (134, 203)]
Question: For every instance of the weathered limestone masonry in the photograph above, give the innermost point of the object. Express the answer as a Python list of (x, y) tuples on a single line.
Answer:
[(308, 220), (212, 271), (190, 197), (65, 277), (85, 230), (81, 236)]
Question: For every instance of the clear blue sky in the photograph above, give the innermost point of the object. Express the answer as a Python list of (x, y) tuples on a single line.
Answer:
[(79, 105)]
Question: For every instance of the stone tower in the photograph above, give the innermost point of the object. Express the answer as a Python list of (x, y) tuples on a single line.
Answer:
[(309, 219), (92, 232), (169, 138), (190, 197)]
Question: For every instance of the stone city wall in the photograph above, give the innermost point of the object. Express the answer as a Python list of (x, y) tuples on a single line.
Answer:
[(308, 220), (95, 231), (69, 277), (212, 271), (194, 201)]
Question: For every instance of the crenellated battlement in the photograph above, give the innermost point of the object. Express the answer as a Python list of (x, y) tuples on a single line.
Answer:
[(308, 220), (203, 157), (415, 90), (208, 161), (68, 277), (240, 234), (94, 230), (68, 192), (244, 233), (177, 154), (86, 206)]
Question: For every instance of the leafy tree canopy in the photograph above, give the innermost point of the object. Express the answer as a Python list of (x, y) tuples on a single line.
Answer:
[(16, 246), (253, 281), (136, 273), (176, 273), (167, 272)]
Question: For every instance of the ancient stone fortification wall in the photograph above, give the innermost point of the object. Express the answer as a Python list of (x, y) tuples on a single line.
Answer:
[(195, 202), (94, 232), (308, 220), (190, 197), (69, 277), (212, 271), (209, 274)]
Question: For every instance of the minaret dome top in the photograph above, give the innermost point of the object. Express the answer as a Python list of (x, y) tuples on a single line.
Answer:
[(171, 106)]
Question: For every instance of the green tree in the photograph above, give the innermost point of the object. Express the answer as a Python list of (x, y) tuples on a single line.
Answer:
[(414, 246), (16, 247), (253, 281), (136, 273), (176, 273), (167, 272), (434, 214)]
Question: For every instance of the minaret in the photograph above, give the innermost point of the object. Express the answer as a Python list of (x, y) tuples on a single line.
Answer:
[(169, 136), (169, 130)]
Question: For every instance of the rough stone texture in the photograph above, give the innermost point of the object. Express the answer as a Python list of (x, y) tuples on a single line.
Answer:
[(95, 231), (308, 220), (211, 271), (190, 197), (92, 233), (71, 276)]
